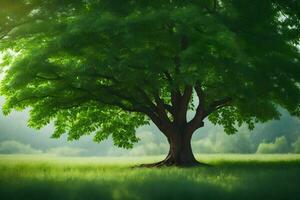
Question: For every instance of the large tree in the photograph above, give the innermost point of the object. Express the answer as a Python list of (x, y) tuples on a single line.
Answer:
[(106, 67)]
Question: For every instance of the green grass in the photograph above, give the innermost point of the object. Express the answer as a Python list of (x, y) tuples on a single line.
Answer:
[(231, 177)]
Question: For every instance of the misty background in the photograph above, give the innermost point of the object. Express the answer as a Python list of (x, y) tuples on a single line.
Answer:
[(281, 136)]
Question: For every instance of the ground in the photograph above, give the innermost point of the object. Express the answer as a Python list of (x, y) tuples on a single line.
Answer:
[(231, 177)]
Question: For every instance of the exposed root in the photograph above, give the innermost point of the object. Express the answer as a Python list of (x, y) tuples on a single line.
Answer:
[(168, 162)]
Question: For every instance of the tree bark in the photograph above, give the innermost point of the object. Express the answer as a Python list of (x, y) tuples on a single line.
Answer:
[(180, 152)]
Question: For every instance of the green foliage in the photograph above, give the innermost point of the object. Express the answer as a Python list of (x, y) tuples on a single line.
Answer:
[(89, 118), (95, 66), (296, 145), (279, 145)]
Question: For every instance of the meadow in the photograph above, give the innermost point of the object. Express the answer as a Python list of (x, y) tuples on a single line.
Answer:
[(231, 177)]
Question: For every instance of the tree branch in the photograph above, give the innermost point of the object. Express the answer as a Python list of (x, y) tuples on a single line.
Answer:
[(169, 108), (217, 104), (197, 122), (163, 127), (161, 109), (110, 90), (157, 113), (9, 29), (181, 111)]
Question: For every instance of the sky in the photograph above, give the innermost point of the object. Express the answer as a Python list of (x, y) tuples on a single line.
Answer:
[(281, 136)]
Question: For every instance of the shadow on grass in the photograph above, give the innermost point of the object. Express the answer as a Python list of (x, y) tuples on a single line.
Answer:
[(226, 180), (150, 188)]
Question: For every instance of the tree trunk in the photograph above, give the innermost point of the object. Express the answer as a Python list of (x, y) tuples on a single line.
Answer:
[(180, 152)]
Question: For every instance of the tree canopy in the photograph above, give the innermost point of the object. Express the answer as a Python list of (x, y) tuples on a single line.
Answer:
[(109, 66)]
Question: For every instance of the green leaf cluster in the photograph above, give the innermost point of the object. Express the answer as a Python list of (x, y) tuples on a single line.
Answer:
[(95, 66)]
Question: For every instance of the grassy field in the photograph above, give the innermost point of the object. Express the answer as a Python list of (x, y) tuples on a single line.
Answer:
[(231, 177)]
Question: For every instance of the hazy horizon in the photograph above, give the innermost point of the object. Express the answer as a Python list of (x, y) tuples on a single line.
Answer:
[(281, 136)]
